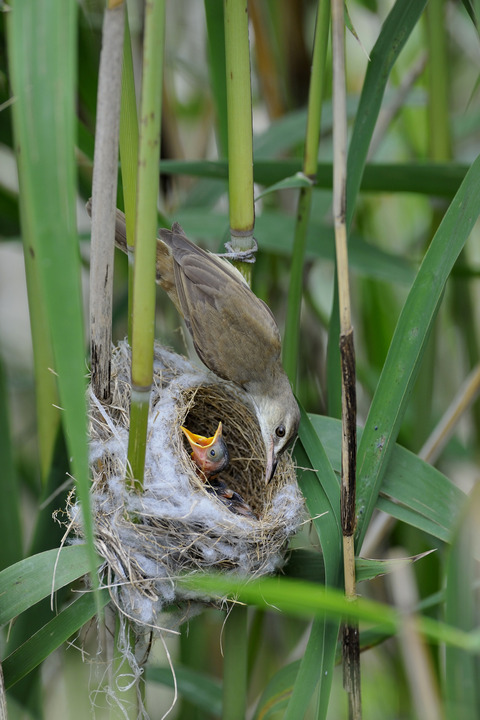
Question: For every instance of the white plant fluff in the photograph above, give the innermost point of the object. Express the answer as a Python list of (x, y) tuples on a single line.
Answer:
[(176, 526)]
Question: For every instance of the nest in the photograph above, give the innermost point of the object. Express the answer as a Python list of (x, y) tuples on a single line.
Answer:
[(176, 525)]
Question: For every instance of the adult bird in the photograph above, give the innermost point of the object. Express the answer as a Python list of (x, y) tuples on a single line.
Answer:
[(210, 455), (233, 331)]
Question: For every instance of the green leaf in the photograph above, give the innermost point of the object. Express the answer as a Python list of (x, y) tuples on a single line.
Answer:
[(277, 692), (35, 650), (42, 57), (424, 178), (394, 33), (322, 496), (28, 581), (299, 180), (199, 689), (308, 565), (408, 344), (302, 599), (461, 610), (412, 491)]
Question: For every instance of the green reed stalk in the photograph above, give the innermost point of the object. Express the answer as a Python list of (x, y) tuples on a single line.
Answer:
[(145, 234), (242, 220), (129, 158), (240, 141), (310, 164)]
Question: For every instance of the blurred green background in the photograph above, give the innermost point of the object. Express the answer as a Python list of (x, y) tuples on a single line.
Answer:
[(425, 139)]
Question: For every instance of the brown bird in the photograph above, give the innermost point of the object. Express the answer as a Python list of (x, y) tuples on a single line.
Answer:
[(233, 331), (211, 457)]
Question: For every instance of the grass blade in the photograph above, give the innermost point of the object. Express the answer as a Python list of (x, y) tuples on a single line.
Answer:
[(461, 610), (413, 491), (30, 580), (42, 54), (394, 33), (322, 496), (37, 648), (406, 350)]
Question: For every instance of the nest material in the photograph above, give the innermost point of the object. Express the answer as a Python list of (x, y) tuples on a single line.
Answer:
[(176, 526)]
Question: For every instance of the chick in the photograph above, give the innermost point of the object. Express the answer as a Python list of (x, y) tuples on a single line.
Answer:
[(211, 457)]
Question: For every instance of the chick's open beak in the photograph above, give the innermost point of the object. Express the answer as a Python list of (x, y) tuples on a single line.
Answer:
[(210, 454)]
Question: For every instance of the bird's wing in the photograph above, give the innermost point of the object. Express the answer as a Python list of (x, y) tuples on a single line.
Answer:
[(234, 332)]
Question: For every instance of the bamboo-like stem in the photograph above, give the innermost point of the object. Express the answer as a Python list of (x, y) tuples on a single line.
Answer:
[(240, 141), (129, 158), (351, 646), (145, 234), (235, 664), (104, 200), (242, 220), (310, 165)]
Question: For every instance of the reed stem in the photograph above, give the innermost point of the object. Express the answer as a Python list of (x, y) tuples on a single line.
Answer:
[(104, 200), (143, 330), (351, 645), (129, 158), (310, 165), (240, 141)]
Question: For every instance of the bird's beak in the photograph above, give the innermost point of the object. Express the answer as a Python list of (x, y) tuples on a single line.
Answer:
[(200, 441), (272, 461)]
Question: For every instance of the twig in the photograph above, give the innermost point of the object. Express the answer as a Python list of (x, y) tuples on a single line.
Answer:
[(387, 114), (351, 645), (417, 662), (104, 199)]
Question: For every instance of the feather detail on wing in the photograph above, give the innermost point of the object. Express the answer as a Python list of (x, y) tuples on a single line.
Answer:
[(234, 332)]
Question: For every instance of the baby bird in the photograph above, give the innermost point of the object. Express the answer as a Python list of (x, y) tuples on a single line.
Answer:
[(211, 456)]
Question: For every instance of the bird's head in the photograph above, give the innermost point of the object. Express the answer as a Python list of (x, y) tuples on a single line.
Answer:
[(279, 418), (210, 454)]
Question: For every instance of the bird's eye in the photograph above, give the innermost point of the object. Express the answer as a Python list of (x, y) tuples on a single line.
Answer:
[(280, 431), (212, 452)]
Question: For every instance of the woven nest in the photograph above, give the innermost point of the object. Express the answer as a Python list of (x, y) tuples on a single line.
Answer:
[(176, 525)]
